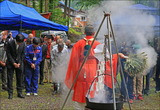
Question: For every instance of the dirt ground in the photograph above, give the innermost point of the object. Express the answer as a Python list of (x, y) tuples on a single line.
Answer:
[(45, 100)]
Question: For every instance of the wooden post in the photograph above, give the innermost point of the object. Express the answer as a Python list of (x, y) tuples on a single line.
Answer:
[(69, 13), (65, 9)]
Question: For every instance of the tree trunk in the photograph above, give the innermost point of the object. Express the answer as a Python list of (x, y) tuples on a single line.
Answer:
[(50, 5), (50, 8), (46, 6), (28, 3), (34, 4), (41, 6), (69, 13), (65, 9)]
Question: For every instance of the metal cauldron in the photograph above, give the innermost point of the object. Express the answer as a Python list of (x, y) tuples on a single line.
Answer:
[(105, 105)]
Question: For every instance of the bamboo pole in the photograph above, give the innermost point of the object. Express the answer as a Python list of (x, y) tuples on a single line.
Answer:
[(120, 64)]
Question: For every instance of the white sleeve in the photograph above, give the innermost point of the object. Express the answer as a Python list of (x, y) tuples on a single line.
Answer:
[(53, 53)]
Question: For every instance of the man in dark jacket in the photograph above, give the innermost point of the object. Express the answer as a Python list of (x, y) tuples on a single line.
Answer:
[(44, 54), (15, 56)]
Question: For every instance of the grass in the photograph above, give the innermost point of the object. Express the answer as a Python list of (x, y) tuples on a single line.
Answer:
[(71, 30), (45, 100)]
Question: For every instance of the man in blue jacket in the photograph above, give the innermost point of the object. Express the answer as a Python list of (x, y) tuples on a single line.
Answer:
[(33, 57)]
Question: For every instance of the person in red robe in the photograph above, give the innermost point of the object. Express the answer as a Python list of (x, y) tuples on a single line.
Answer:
[(88, 71), (89, 68)]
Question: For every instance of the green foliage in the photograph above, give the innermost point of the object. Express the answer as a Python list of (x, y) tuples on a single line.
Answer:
[(37, 33), (40, 5), (34, 4), (71, 30), (21, 3), (73, 35), (136, 64), (57, 14), (88, 3)]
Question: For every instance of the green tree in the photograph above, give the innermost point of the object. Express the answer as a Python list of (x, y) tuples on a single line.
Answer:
[(34, 4), (88, 3), (65, 9), (40, 6), (57, 14), (69, 12)]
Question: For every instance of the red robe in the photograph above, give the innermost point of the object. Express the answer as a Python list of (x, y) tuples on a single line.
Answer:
[(108, 78), (89, 68)]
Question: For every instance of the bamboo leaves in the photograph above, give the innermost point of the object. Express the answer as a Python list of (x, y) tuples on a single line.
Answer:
[(136, 63)]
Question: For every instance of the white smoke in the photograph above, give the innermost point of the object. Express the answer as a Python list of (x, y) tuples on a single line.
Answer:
[(58, 76), (129, 25)]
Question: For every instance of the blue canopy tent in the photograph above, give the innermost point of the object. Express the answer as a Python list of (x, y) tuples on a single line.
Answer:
[(14, 16), (14, 33), (142, 8)]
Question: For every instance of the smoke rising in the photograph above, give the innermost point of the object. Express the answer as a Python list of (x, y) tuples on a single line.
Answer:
[(129, 25), (58, 76)]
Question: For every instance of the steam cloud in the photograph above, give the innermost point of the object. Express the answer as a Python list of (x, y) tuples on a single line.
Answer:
[(129, 26), (59, 77)]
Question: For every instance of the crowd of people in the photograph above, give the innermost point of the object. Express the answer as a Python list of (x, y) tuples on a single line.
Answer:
[(28, 58), (135, 84), (48, 56)]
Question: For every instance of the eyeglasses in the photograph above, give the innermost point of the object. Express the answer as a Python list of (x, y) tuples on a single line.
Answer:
[(86, 47)]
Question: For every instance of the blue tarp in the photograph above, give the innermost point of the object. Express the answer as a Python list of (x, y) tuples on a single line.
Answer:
[(13, 14), (141, 7), (14, 33)]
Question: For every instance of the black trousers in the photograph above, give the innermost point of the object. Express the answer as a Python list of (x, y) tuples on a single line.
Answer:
[(41, 71), (23, 75), (19, 80), (4, 78)]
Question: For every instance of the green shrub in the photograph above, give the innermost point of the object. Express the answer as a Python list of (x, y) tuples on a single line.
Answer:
[(73, 35)]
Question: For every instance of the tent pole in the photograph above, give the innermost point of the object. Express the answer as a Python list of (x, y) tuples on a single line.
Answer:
[(49, 30), (19, 32)]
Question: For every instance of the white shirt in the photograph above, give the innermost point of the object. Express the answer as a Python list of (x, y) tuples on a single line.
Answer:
[(16, 45), (60, 62), (58, 58), (0, 38)]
